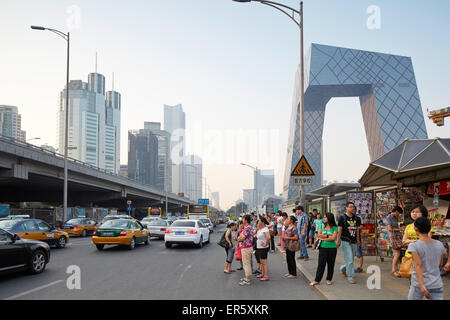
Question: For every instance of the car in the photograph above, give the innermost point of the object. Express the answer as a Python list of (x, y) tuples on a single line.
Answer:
[(148, 219), (123, 232), (79, 226), (36, 229), (19, 254), (114, 216), (208, 223), (157, 228), (187, 232)]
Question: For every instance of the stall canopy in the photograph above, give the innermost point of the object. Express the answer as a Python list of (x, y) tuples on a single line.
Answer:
[(331, 190), (411, 157)]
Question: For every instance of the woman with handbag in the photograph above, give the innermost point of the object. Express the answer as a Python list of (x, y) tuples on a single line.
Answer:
[(395, 237), (326, 236), (291, 237), (230, 238)]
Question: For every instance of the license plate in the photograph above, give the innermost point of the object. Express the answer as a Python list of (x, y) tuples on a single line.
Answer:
[(179, 233), (67, 227), (107, 233)]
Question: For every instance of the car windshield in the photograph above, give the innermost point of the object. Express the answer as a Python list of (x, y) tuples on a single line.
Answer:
[(75, 221), (7, 224), (181, 223), (205, 220), (158, 223), (150, 218), (107, 218), (116, 223)]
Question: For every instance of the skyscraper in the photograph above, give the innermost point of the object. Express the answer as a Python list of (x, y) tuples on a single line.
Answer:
[(249, 196), (193, 177), (164, 161), (94, 123), (215, 200), (11, 123), (175, 124), (265, 180), (143, 156)]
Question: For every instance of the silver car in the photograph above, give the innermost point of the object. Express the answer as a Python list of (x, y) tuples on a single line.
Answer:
[(157, 228)]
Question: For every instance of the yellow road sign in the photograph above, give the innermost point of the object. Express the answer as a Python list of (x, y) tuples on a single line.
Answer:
[(303, 168)]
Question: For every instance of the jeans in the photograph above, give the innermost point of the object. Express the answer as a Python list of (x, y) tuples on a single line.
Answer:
[(327, 256), (290, 259), (416, 294), (303, 250), (272, 242), (349, 250)]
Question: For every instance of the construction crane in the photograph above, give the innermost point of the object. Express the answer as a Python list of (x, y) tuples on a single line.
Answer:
[(438, 116)]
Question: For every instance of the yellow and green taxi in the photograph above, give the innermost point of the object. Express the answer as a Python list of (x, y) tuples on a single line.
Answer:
[(124, 232), (35, 229), (79, 226)]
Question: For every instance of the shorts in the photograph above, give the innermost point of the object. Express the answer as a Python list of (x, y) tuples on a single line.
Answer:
[(262, 253), (311, 234), (230, 254), (359, 253)]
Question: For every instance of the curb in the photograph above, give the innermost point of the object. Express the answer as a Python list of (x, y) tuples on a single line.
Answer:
[(308, 278)]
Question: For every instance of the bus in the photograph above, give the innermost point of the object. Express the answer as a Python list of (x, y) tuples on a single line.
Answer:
[(154, 212), (198, 211)]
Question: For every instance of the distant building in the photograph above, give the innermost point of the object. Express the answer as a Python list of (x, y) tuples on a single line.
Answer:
[(175, 124), (249, 196), (215, 200), (94, 123), (164, 161), (11, 123), (123, 170), (143, 156), (193, 176), (265, 180)]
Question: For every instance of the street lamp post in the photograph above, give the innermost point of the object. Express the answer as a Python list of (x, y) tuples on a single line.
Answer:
[(281, 7), (256, 182), (66, 129)]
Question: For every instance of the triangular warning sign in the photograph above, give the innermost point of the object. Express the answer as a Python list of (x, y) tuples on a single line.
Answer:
[(303, 168)]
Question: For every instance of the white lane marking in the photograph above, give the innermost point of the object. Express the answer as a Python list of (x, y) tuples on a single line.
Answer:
[(182, 274), (34, 290)]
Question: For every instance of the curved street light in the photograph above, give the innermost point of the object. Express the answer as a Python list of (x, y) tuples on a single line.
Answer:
[(293, 14), (66, 135)]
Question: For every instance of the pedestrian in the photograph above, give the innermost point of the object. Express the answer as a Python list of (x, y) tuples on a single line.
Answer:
[(327, 234), (230, 237), (291, 233), (311, 229), (246, 245), (348, 235), (317, 223), (410, 235), (302, 227), (284, 220), (263, 246), (255, 252), (428, 256), (279, 226), (395, 238), (241, 228), (272, 230)]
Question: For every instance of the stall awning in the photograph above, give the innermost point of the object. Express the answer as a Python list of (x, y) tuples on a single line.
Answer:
[(331, 190), (410, 158)]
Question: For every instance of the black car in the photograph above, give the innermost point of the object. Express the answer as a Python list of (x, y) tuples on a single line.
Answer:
[(20, 254)]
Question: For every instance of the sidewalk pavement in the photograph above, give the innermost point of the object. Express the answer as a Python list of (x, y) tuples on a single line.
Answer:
[(392, 288)]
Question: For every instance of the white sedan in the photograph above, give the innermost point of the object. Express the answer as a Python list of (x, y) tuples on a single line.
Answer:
[(187, 232), (208, 223)]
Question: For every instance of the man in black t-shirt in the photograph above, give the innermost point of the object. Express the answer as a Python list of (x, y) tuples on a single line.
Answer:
[(348, 226)]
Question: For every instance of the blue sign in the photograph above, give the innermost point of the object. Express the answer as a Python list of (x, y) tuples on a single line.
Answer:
[(128, 208), (4, 210), (203, 201)]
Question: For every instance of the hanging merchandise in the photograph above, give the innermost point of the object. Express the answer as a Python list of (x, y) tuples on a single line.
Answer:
[(385, 202), (364, 209)]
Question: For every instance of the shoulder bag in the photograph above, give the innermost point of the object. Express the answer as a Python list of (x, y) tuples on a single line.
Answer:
[(406, 267), (223, 242)]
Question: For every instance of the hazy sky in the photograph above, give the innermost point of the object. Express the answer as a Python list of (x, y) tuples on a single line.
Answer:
[(230, 65)]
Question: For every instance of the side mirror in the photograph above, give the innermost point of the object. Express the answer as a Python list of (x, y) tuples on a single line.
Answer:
[(15, 238)]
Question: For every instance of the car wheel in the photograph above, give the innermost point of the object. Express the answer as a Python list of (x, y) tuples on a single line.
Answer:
[(132, 244), (200, 244), (208, 239), (100, 246), (61, 242), (168, 245), (38, 262), (83, 234)]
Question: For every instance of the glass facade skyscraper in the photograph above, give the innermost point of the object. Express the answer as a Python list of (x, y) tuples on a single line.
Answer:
[(94, 123), (143, 156), (388, 94), (11, 123)]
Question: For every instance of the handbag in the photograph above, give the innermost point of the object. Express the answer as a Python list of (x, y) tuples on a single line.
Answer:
[(406, 267), (238, 255), (223, 242), (294, 245)]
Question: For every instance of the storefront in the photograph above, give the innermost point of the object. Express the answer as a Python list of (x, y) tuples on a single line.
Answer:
[(417, 172)]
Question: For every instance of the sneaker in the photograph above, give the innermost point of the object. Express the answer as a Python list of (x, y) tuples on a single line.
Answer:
[(257, 272), (358, 270), (244, 283), (260, 276), (264, 279)]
